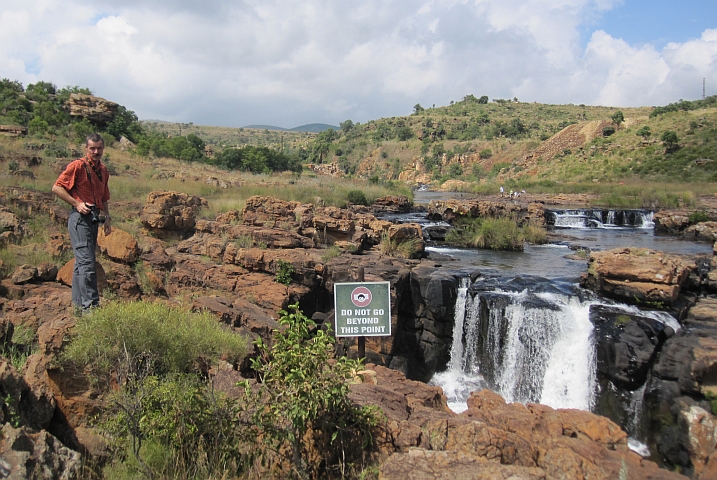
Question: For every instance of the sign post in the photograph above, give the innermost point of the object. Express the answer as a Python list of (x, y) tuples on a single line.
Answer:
[(362, 309)]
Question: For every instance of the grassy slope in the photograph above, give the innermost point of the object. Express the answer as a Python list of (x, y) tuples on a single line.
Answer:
[(600, 165)]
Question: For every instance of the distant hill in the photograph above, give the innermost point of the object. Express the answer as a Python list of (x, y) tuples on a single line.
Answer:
[(311, 127), (314, 127)]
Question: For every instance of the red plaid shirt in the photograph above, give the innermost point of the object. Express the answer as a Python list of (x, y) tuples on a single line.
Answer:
[(89, 189)]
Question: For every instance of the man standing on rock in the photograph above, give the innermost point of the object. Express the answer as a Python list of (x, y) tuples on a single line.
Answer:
[(83, 185)]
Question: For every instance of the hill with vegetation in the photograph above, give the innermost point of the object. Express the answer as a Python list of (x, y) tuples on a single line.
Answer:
[(479, 144), (471, 145)]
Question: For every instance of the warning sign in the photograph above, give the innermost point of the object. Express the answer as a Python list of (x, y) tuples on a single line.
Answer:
[(362, 309)]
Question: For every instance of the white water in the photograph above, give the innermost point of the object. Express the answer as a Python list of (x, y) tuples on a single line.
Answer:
[(535, 348), (581, 219), (546, 355)]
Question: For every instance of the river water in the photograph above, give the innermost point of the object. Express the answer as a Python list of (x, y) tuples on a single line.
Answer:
[(522, 328)]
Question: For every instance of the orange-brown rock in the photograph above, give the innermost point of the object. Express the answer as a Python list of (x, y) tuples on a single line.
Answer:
[(268, 211), (64, 275), (630, 273), (493, 439), (165, 212), (118, 245)]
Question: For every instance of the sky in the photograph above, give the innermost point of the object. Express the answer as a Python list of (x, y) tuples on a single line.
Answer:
[(289, 63)]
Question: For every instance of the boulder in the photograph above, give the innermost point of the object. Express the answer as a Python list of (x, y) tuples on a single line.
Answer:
[(95, 109), (268, 211), (118, 245), (626, 345), (64, 275), (26, 454), (631, 274), (167, 212), (24, 274), (392, 204)]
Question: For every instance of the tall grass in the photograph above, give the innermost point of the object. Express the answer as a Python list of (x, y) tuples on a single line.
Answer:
[(127, 334), (494, 233)]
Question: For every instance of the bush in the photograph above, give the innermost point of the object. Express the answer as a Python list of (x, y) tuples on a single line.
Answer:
[(607, 131), (284, 271), (304, 388), (127, 336), (357, 197), (699, 216), (162, 426)]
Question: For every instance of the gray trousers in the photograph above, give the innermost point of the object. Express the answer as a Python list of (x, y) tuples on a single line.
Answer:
[(83, 236)]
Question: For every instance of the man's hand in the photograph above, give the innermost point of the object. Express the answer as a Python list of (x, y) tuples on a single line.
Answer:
[(108, 226)]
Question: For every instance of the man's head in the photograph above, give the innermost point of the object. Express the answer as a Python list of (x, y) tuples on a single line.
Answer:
[(94, 147)]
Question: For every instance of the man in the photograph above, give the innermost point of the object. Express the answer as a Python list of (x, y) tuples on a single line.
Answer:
[(83, 185)]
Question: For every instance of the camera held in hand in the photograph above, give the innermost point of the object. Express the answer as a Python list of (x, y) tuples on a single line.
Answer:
[(95, 212)]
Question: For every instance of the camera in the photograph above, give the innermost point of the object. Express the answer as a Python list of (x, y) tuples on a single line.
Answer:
[(95, 212)]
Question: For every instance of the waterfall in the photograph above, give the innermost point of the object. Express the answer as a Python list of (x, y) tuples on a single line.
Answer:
[(634, 426), (460, 379), (600, 218), (528, 347)]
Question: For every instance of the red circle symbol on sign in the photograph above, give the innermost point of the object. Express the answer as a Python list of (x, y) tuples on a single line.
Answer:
[(361, 296)]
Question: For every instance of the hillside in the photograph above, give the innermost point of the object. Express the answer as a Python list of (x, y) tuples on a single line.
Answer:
[(475, 143)]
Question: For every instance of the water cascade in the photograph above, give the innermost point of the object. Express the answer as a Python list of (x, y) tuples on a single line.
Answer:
[(529, 347), (599, 218), (532, 341)]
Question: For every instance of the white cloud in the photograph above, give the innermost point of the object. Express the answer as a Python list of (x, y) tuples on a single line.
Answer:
[(284, 62)]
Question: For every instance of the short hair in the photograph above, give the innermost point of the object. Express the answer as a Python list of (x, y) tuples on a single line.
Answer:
[(94, 137)]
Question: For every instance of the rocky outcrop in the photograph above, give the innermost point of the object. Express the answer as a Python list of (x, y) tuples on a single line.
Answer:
[(421, 438), (95, 109), (12, 130), (392, 204), (168, 213), (631, 274), (627, 345), (449, 210)]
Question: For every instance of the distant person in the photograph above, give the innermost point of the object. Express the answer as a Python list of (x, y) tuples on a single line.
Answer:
[(511, 193), (501, 191), (83, 185)]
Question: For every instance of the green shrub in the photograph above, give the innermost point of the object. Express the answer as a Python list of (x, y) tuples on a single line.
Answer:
[(304, 388), (699, 216), (357, 197), (284, 271), (161, 426), (123, 336)]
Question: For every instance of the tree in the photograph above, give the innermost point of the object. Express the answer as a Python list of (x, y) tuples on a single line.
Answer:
[(670, 141), (618, 118), (404, 133), (417, 108), (644, 132), (483, 100), (346, 126)]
